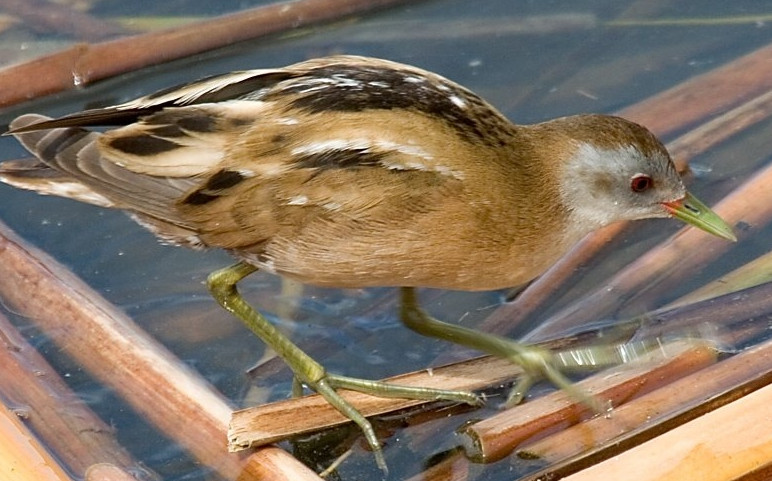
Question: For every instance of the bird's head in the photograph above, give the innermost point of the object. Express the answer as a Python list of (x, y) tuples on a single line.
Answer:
[(618, 170)]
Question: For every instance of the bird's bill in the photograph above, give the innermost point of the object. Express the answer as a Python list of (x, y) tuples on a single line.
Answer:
[(692, 211)]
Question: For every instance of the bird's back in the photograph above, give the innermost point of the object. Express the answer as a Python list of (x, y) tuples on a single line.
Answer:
[(341, 172)]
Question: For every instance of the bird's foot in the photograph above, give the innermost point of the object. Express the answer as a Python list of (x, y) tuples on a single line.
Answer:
[(328, 385), (539, 363)]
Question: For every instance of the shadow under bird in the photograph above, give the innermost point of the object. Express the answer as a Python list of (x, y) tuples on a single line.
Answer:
[(351, 172)]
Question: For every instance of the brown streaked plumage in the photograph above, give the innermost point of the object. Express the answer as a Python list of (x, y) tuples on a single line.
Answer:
[(349, 171), (382, 173)]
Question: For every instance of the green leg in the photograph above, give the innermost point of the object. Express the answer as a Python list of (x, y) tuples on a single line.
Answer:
[(537, 362), (222, 285)]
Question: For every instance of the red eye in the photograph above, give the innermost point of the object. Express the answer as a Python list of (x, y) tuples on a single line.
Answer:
[(641, 183)]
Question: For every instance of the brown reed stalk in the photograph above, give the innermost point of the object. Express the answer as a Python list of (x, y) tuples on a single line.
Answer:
[(657, 412), (706, 95), (733, 442), (754, 273), (50, 18), (280, 420), (495, 437), (114, 350), (62, 421), (83, 64)]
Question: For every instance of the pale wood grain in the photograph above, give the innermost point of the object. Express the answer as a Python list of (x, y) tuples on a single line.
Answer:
[(22, 457), (107, 472), (723, 445)]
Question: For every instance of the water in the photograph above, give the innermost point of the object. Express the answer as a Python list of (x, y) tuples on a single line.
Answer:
[(566, 59)]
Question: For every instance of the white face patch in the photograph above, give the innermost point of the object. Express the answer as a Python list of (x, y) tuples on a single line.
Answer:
[(589, 157), (595, 184)]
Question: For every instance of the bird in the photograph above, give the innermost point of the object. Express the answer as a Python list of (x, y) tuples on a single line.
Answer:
[(351, 172)]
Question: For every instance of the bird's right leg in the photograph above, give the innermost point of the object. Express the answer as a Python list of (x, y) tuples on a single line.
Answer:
[(222, 285)]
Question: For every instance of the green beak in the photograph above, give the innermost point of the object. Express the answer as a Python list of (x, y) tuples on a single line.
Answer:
[(692, 211)]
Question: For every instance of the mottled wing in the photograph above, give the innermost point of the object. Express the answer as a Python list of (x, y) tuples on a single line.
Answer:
[(219, 88), (70, 164), (320, 181), (333, 148)]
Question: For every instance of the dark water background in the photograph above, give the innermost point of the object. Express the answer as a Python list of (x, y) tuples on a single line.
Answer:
[(547, 71)]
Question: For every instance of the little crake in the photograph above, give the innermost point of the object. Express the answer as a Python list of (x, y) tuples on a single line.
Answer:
[(350, 172)]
